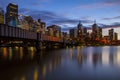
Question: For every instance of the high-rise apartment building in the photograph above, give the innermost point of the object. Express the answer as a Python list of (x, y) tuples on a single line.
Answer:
[(73, 33), (111, 33), (12, 14), (56, 30), (1, 16)]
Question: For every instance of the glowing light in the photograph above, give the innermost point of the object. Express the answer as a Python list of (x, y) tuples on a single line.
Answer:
[(44, 70), (5, 52), (21, 52), (105, 57), (23, 78), (50, 66), (35, 74), (32, 52), (16, 48), (71, 53), (118, 59), (10, 53)]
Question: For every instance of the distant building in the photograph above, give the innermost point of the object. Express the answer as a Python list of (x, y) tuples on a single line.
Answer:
[(99, 33), (115, 36), (30, 22), (1, 16), (94, 34), (85, 31), (56, 30), (43, 26), (80, 31), (57, 33), (23, 23), (111, 33), (50, 32), (64, 34), (12, 14), (73, 33), (106, 37)]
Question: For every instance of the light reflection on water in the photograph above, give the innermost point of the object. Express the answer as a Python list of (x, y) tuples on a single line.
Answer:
[(71, 63)]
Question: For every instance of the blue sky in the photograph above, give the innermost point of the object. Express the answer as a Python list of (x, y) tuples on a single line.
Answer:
[(67, 13)]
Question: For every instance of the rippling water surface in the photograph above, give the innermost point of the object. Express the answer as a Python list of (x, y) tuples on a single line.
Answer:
[(77, 63)]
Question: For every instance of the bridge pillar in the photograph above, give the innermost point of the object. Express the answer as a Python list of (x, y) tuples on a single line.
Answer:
[(38, 45), (49, 45), (39, 42)]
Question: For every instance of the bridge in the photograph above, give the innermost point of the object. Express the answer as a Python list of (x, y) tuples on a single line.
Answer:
[(12, 36)]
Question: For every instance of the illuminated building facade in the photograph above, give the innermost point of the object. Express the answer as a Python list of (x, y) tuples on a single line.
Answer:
[(12, 14), (85, 31), (80, 31), (50, 32), (30, 22), (111, 33), (43, 26), (115, 37), (94, 34), (1, 16), (73, 33), (56, 30), (99, 32), (64, 34)]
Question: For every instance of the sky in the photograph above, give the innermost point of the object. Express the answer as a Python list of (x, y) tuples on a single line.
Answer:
[(67, 13)]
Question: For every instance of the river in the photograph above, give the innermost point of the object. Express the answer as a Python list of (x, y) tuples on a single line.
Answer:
[(77, 63)]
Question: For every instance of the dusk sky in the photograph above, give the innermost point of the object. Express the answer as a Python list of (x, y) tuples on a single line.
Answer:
[(67, 13)]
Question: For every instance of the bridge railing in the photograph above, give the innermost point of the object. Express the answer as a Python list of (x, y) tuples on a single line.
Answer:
[(51, 38), (15, 32)]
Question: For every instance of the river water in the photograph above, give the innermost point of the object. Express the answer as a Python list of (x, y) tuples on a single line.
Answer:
[(77, 63)]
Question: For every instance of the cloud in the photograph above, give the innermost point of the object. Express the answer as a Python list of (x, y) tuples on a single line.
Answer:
[(86, 17), (54, 18), (65, 21), (103, 3), (44, 15), (117, 17), (66, 28), (113, 25), (70, 21), (23, 10)]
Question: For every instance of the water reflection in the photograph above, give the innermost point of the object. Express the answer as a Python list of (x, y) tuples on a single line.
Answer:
[(35, 77), (21, 53), (79, 62), (23, 77), (10, 53)]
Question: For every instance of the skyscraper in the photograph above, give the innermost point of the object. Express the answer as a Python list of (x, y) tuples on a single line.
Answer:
[(94, 30), (80, 31), (81, 36), (85, 31), (115, 36), (12, 14), (1, 16), (56, 29), (111, 33), (99, 32), (73, 33)]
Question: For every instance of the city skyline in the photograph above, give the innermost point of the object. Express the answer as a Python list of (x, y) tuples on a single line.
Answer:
[(68, 13)]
